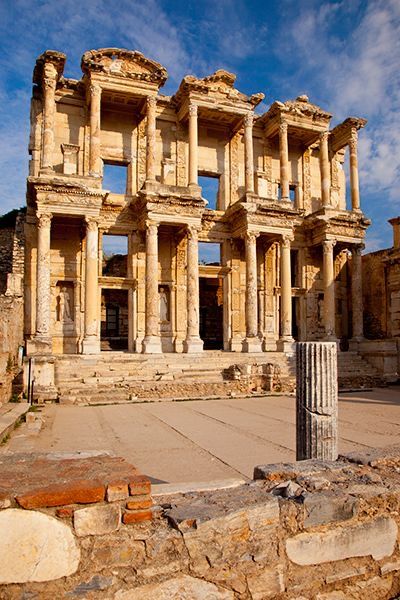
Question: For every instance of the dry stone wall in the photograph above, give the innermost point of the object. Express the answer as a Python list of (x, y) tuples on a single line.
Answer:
[(312, 529)]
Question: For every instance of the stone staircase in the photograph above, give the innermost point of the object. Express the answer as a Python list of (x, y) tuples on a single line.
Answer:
[(354, 372), (122, 377)]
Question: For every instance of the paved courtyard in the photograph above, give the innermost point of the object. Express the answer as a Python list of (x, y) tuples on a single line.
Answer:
[(206, 440)]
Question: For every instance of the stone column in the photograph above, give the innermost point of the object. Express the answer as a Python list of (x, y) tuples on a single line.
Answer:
[(151, 138), (91, 341), (252, 342), (49, 109), (356, 293), (286, 339), (284, 160), (316, 401), (354, 187), (329, 289), (192, 343), (193, 143), (325, 169), (248, 152), (42, 333), (95, 112), (151, 343)]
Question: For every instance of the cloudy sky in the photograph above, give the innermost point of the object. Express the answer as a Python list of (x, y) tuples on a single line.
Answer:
[(344, 55)]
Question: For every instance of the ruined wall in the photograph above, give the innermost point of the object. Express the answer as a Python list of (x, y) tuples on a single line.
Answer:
[(375, 295), (310, 530)]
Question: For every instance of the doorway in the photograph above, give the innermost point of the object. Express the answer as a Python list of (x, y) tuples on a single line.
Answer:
[(211, 313), (114, 319)]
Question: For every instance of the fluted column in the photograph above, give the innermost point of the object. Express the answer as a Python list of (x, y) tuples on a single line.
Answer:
[(356, 293), (193, 145), (329, 289), (252, 342), (192, 343), (49, 109), (95, 116), (316, 401), (354, 186), (91, 341), (42, 333), (248, 152), (151, 342), (284, 160), (151, 138), (286, 339), (325, 169)]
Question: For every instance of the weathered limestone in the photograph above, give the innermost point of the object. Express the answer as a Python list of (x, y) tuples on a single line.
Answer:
[(49, 88), (329, 289), (356, 293), (95, 112), (193, 145), (151, 138), (286, 339), (252, 342), (248, 150), (35, 547), (354, 185), (91, 342), (325, 169), (151, 342), (183, 587), (97, 520), (192, 342), (43, 281), (284, 160), (316, 401)]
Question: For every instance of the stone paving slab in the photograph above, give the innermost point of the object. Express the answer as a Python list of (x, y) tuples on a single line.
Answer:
[(9, 415)]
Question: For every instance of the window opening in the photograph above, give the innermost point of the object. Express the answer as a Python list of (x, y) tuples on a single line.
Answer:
[(115, 255), (209, 253), (115, 177), (210, 190)]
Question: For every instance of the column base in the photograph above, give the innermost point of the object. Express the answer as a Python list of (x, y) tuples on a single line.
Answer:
[(39, 345), (285, 344), (151, 345), (193, 345), (91, 345), (195, 190), (268, 345), (235, 344), (252, 344)]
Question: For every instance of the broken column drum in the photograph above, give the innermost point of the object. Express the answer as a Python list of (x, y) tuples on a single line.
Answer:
[(316, 401)]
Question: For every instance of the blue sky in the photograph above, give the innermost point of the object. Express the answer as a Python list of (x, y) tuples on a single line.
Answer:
[(344, 55)]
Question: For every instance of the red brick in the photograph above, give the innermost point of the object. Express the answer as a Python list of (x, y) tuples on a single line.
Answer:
[(76, 492), (65, 512), (137, 516), (117, 490), (139, 485), (139, 503)]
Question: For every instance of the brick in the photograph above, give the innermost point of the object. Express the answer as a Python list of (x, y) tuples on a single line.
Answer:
[(139, 485), (139, 503), (77, 492), (117, 491), (97, 520), (137, 516), (65, 512)]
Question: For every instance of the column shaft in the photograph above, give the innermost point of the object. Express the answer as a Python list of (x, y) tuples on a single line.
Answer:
[(356, 293), (329, 289), (151, 342), (192, 343), (284, 160), (91, 342), (325, 169), (248, 152), (316, 401), (95, 116), (286, 291), (251, 285), (193, 144), (354, 186), (49, 109), (151, 138), (43, 278)]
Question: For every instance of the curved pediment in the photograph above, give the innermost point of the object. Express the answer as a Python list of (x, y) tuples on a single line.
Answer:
[(129, 64)]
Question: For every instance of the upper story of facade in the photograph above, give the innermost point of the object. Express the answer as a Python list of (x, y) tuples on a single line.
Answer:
[(286, 162)]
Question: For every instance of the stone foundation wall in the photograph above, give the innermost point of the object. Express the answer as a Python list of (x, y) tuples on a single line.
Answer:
[(309, 530), (11, 337)]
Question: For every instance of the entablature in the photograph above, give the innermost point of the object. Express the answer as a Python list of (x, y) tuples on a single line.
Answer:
[(342, 134)]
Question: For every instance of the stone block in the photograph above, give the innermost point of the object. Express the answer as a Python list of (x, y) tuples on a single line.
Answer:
[(344, 573), (266, 584), (376, 538), (136, 516), (184, 588), (5, 501), (139, 503), (389, 567), (35, 547), (98, 582), (377, 588), (97, 520), (84, 491), (117, 491), (327, 508), (139, 484), (285, 471)]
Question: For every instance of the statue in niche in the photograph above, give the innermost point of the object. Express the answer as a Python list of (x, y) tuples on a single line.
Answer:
[(64, 306), (163, 301)]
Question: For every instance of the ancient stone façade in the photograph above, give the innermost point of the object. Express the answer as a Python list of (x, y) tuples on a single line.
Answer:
[(282, 223)]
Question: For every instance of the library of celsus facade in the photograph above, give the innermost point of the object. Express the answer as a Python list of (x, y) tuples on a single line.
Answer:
[(280, 224)]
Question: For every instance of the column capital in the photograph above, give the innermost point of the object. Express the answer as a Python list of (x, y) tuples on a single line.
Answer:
[(323, 136), (92, 223), (193, 232), (248, 119), (286, 240), (283, 128), (43, 220), (151, 102), (251, 236), (357, 249), (353, 141), (95, 90), (193, 110), (151, 227), (328, 246)]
